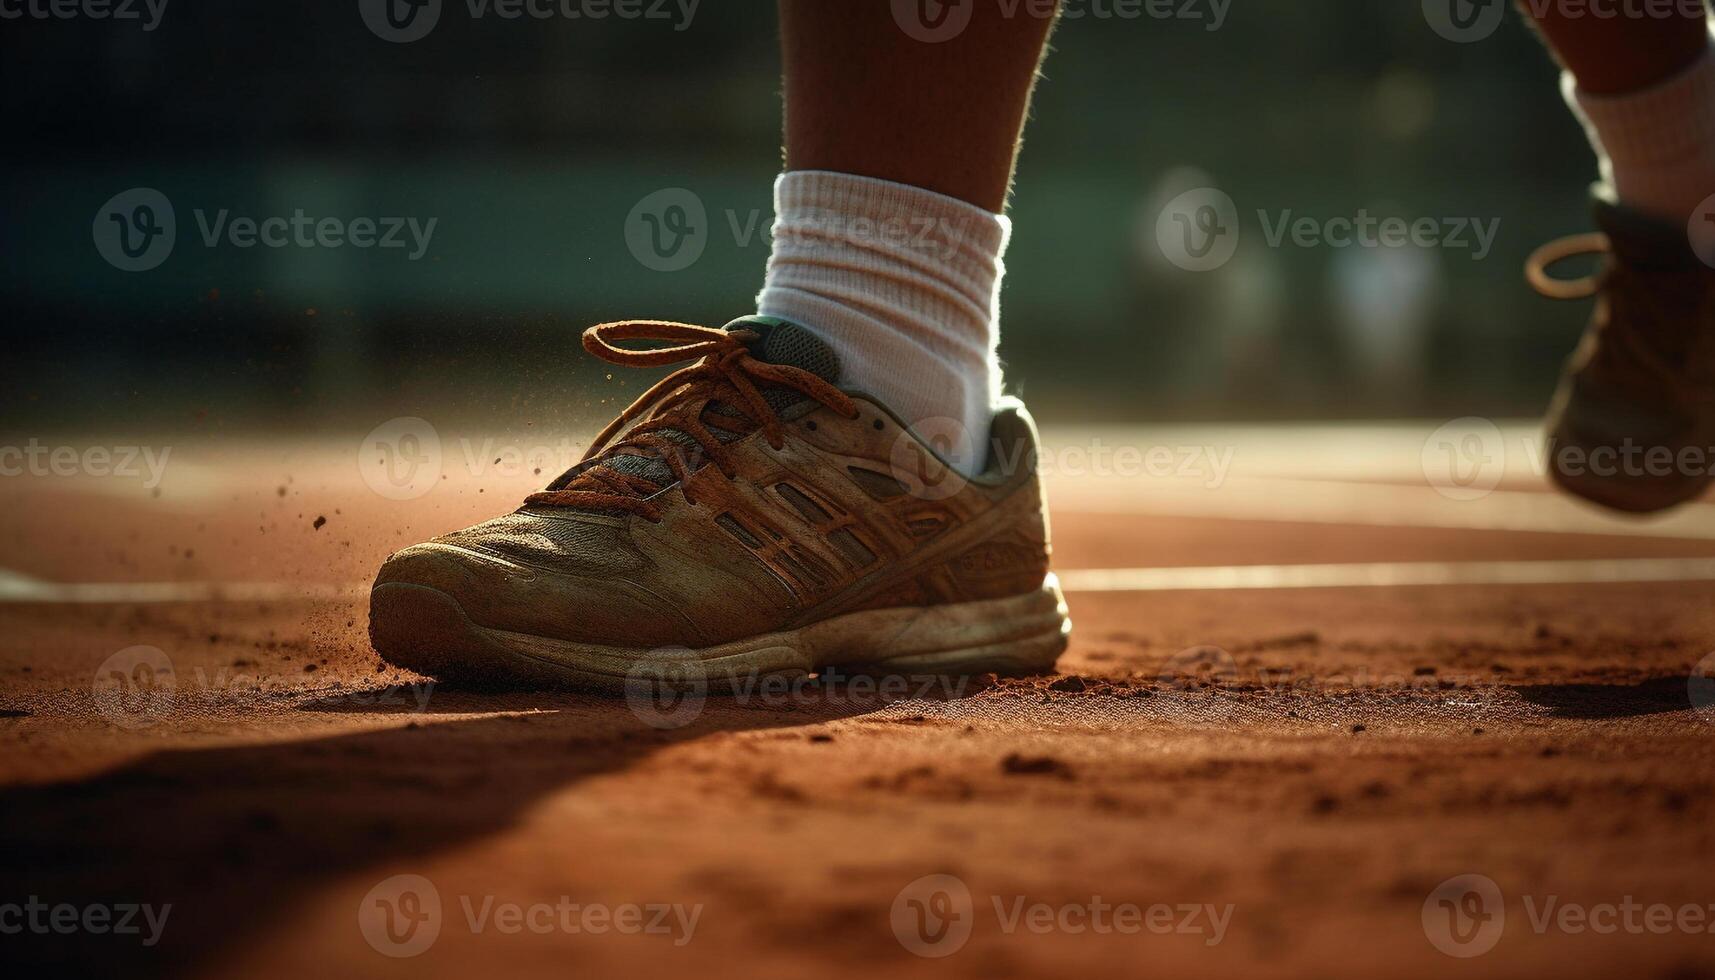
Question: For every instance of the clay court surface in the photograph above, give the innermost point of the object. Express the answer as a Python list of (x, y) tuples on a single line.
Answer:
[(1296, 702)]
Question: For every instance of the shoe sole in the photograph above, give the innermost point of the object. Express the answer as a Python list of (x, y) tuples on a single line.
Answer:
[(425, 630)]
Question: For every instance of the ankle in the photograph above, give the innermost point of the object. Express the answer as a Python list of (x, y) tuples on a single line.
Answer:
[(1656, 146), (903, 283)]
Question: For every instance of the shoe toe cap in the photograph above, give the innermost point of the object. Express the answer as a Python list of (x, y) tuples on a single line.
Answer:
[(500, 594)]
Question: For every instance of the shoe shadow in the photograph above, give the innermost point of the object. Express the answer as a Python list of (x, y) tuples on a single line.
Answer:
[(1662, 695), (234, 836)]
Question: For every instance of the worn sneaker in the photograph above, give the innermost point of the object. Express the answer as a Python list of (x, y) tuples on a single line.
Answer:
[(1632, 426), (745, 516)]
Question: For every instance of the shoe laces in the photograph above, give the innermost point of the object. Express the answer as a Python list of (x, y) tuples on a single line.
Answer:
[(1638, 355), (1536, 267), (724, 380)]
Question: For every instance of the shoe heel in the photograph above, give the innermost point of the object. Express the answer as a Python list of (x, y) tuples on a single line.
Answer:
[(1014, 636)]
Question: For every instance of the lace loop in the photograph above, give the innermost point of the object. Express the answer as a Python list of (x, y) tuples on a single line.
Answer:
[(725, 371), (1536, 267)]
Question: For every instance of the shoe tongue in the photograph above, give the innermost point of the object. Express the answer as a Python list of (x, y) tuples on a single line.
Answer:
[(1658, 255), (1644, 241), (784, 342)]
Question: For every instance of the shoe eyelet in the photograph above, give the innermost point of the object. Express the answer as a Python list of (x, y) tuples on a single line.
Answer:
[(877, 424), (811, 425)]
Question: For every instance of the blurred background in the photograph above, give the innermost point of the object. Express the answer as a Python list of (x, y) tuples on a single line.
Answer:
[(538, 147)]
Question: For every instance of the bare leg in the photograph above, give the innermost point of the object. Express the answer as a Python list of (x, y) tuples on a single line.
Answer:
[(1614, 55), (863, 96)]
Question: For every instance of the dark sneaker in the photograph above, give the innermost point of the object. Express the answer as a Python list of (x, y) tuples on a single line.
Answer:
[(1632, 425), (745, 516)]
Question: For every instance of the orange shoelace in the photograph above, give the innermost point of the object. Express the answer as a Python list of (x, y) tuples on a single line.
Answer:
[(725, 372), (1640, 355), (1536, 267)]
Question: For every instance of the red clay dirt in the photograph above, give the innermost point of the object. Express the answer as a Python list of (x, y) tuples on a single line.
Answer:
[(1366, 745)]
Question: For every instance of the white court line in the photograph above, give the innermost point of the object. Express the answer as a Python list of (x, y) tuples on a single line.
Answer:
[(1383, 574), (1375, 505), (20, 588)]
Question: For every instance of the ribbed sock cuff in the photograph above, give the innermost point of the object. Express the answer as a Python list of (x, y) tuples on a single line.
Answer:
[(1656, 146), (904, 283)]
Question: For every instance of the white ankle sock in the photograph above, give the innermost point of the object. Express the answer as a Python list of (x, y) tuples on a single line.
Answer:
[(905, 284), (1656, 146)]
